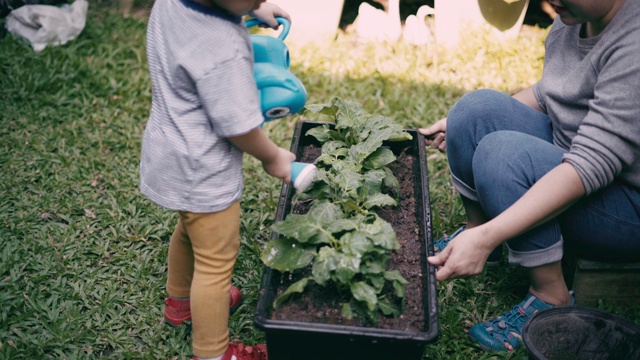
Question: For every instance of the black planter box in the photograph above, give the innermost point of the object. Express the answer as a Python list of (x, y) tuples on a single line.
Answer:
[(293, 340)]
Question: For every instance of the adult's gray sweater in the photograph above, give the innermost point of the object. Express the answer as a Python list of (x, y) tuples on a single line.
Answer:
[(590, 88)]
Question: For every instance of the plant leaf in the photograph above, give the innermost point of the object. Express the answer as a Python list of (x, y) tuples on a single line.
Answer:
[(388, 308), (394, 275), (341, 225), (301, 228), (327, 109), (295, 288), (360, 151), (366, 293), (380, 158), (400, 136), (378, 123), (390, 180), (347, 311), (381, 233), (350, 114), (377, 282), (379, 200), (326, 212), (356, 243), (325, 264), (332, 145), (322, 133), (349, 181), (284, 254), (330, 264), (398, 282), (348, 267), (310, 227), (399, 288), (332, 152), (374, 176), (371, 267)]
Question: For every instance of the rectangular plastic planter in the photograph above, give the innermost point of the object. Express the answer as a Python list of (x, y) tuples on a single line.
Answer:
[(293, 340)]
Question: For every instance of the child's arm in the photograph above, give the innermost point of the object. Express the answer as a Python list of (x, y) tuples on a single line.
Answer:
[(276, 161), (268, 12)]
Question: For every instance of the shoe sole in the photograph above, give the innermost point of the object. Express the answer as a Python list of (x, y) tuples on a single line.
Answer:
[(174, 325), (485, 348)]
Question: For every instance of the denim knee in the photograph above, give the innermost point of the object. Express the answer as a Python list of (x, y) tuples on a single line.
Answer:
[(505, 166), (466, 113), (507, 163), (468, 122)]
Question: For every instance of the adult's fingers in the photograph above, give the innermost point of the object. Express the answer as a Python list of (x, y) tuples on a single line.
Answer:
[(440, 126), (438, 142), (444, 273)]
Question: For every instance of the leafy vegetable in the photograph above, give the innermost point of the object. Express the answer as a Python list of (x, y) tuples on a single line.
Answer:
[(341, 237)]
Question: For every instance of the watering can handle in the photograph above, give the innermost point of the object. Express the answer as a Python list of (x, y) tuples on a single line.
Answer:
[(286, 25)]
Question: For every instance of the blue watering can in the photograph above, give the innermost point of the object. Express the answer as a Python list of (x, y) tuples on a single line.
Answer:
[(281, 92)]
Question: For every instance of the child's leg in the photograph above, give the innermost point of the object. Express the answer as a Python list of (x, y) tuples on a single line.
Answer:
[(215, 243), (180, 272)]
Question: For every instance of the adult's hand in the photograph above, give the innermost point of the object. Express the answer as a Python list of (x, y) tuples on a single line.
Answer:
[(465, 255), (435, 135)]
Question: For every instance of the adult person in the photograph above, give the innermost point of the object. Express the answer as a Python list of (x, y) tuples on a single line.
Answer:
[(555, 165)]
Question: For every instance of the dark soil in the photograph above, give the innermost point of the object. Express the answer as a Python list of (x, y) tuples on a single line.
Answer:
[(322, 304)]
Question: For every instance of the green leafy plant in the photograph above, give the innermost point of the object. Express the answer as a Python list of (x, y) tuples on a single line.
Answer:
[(341, 237)]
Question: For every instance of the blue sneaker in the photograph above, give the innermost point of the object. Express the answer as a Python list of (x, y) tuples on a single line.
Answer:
[(440, 244), (492, 334)]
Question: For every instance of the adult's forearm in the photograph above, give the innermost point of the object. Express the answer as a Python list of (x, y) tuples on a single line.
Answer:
[(528, 98), (547, 198)]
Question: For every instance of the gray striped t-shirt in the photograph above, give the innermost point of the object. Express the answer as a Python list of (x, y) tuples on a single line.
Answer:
[(201, 67)]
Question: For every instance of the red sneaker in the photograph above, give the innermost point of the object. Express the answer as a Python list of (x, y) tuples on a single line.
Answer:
[(243, 352), (178, 311), (236, 299)]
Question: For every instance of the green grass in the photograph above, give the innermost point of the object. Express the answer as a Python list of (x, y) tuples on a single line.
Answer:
[(83, 253)]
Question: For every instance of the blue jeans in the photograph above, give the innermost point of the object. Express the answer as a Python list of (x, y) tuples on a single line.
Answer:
[(498, 148)]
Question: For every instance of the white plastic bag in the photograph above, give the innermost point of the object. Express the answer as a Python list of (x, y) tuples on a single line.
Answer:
[(44, 25)]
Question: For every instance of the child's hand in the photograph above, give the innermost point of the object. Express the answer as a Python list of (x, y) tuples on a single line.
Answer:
[(268, 12), (280, 165)]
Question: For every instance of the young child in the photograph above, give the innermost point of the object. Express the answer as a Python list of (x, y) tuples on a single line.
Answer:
[(205, 114), (555, 166)]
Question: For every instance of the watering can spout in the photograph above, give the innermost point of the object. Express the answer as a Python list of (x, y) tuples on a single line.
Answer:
[(302, 175)]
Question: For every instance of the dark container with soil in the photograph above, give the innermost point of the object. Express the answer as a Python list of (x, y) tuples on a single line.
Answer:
[(580, 333), (310, 326)]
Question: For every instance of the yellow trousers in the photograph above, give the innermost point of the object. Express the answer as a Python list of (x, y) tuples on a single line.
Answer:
[(202, 253)]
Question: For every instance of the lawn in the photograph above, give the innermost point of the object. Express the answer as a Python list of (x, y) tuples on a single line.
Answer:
[(83, 253)]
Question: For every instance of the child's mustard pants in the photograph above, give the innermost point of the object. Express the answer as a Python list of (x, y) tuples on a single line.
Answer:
[(202, 253)]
